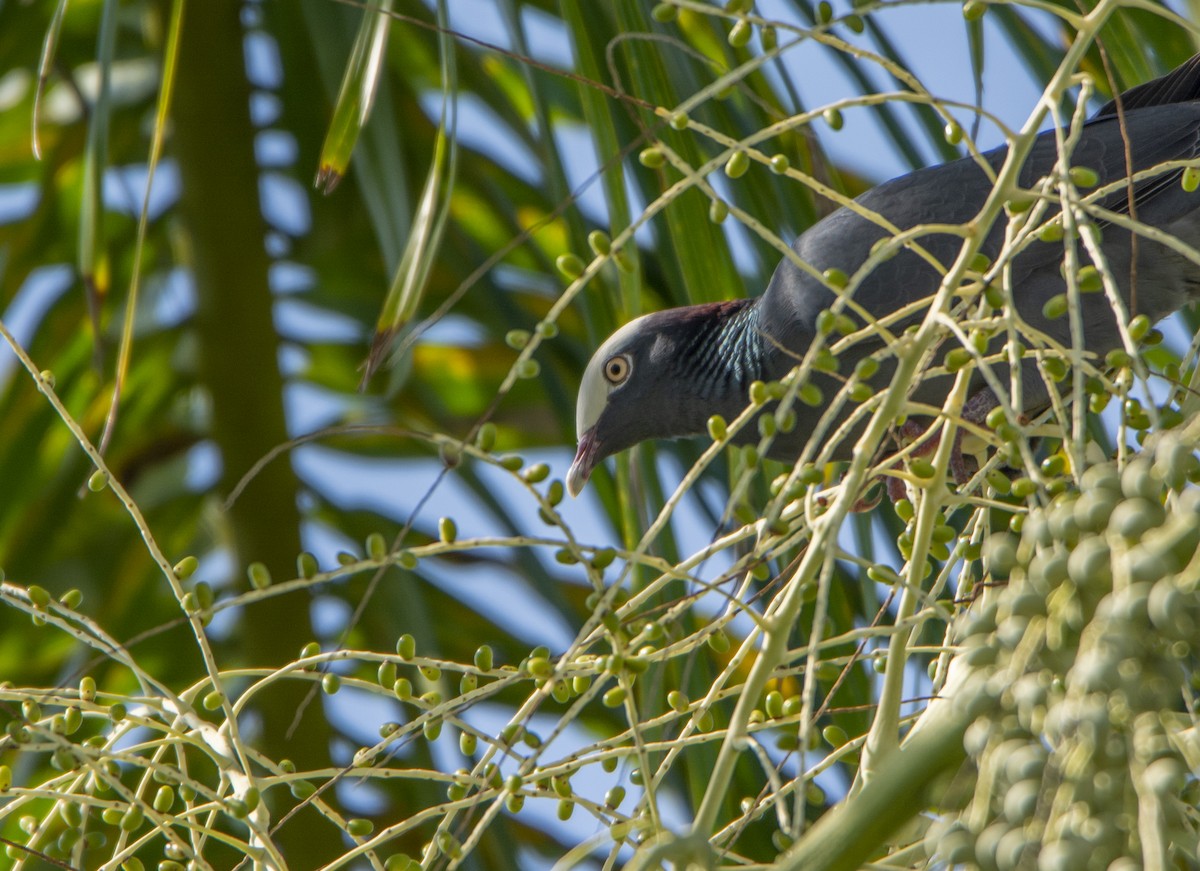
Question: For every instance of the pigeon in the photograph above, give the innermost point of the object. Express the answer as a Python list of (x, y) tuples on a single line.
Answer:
[(665, 374)]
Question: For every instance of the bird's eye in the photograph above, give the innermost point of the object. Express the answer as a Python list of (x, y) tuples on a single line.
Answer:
[(617, 369)]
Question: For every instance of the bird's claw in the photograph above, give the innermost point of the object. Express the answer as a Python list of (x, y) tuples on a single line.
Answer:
[(870, 498)]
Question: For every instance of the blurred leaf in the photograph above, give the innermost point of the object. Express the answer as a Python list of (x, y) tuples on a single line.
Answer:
[(409, 282), (356, 96)]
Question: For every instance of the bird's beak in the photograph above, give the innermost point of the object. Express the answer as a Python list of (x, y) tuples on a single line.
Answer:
[(585, 461)]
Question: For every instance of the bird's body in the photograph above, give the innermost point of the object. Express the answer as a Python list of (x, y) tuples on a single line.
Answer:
[(679, 367)]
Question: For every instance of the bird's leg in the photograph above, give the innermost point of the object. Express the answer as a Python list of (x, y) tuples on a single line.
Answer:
[(907, 432), (975, 411), (868, 501), (894, 486)]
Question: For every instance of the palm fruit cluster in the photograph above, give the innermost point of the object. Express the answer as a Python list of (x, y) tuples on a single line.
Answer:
[(1083, 660)]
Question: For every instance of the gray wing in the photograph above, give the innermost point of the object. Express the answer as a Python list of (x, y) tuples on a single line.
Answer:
[(1161, 122), (954, 193), (1178, 86)]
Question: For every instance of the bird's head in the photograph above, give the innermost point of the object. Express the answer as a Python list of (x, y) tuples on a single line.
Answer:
[(616, 395), (656, 377)]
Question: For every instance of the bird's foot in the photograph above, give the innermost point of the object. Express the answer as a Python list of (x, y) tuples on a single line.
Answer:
[(962, 468), (909, 431), (871, 497)]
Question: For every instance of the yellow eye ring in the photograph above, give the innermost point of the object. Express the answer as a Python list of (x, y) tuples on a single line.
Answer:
[(617, 369)]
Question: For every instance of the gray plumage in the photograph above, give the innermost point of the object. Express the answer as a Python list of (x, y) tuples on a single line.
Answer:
[(687, 364)]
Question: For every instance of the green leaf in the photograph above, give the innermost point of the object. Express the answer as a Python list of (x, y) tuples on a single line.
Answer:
[(360, 82)]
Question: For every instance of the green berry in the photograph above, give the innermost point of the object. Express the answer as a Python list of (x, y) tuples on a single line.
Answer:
[(957, 358), (1055, 307), (922, 468), (737, 164), (1051, 232), (385, 675), (570, 265), (39, 596), (132, 818), (72, 720), (406, 647), (599, 242), (303, 790), (376, 548), (164, 799), (186, 568), (651, 158), (835, 736), (664, 13), (536, 473), (810, 394), (1084, 177), (739, 35), (1090, 280), (484, 659), (836, 278), (716, 428), (259, 575), (615, 697), (306, 565), (485, 439)]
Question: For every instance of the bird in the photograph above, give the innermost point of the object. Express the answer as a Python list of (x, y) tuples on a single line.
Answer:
[(665, 374)]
